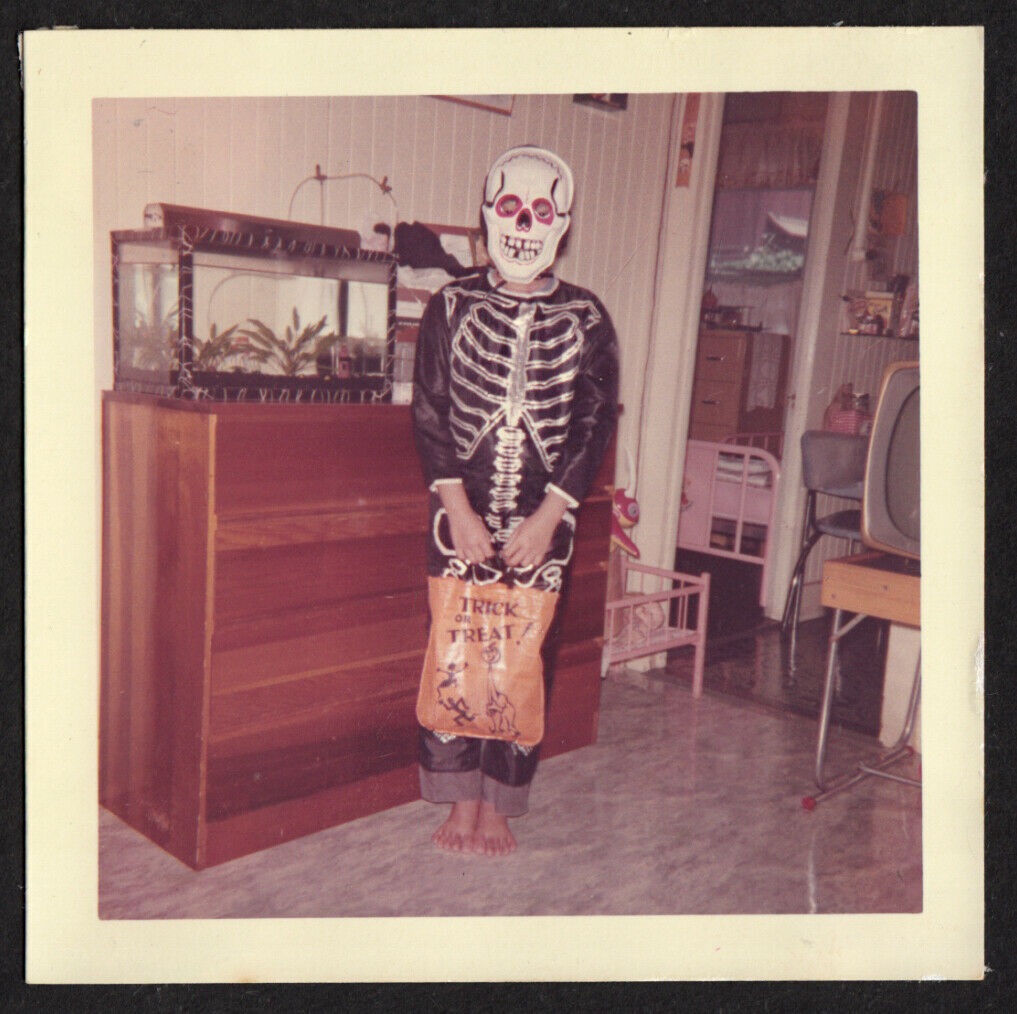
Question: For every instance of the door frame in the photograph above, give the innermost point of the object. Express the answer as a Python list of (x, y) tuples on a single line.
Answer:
[(813, 344)]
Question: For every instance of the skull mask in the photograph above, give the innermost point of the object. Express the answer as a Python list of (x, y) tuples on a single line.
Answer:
[(527, 198)]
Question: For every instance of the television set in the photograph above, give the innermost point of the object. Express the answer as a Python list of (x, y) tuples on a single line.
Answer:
[(891, 514)]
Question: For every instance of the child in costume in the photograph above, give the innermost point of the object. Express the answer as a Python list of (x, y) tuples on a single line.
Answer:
[(514, 403)]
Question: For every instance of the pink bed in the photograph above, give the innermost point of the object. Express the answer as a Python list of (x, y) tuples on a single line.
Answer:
[(728, 500)]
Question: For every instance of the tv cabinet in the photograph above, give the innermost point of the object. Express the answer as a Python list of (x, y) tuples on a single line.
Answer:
[(264, 619)]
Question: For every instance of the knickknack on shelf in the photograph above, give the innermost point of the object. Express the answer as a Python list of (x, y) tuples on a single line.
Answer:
[(212, 305)]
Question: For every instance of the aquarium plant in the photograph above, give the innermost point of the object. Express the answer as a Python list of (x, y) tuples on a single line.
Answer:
[(293, 352)]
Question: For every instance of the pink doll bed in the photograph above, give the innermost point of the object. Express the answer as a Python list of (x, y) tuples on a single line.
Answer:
[(727, 510), (728, 501), (653, 614)]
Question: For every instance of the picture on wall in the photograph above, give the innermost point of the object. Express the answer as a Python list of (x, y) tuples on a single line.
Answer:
[(603, 100)]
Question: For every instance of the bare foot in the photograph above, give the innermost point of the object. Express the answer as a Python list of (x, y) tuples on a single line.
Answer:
[(457, 833), (492, 836)]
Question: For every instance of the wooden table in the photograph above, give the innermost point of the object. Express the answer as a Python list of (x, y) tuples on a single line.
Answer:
[(888, 588)]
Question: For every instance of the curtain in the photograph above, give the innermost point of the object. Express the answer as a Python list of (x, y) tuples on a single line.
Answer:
[(769, 155)]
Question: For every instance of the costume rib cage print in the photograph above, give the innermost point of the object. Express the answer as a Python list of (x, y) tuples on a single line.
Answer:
[(514, 364)]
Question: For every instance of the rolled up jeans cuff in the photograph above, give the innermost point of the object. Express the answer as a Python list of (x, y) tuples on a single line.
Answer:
[(508, 800), (459, 786), (450, 786)]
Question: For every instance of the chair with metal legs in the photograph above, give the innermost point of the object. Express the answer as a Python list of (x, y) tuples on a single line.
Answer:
[(832, 464)]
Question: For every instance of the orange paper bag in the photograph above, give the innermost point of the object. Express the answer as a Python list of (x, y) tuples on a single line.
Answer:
[(483, 674)]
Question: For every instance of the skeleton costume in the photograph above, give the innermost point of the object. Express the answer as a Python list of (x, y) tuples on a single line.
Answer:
[(514, 395)]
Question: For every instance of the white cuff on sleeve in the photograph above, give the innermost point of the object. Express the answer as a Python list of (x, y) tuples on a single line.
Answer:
[(443, 482), (570, 500)]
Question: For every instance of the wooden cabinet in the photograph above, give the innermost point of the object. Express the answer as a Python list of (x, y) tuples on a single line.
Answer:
[(739, 384), (264, 619)]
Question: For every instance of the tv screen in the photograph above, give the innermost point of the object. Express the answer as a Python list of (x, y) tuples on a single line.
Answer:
[(891, 503)]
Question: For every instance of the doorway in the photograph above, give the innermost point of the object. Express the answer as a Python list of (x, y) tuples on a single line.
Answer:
[(768, 166)]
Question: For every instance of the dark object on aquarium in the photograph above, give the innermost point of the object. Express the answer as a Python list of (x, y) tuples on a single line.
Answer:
[(416, 246), (213, 305)]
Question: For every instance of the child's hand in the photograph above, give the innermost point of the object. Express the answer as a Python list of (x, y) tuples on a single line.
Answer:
[(529, 543), (470, 538)]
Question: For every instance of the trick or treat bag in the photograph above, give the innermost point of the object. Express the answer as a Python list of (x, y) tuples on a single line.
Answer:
[(483, 675)]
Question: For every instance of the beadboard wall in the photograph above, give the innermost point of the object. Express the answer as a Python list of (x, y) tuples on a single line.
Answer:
[(249, 155), (857, 358), (862, 359)]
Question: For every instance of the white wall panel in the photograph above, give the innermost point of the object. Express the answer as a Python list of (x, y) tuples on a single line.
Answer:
[(189, 134), (215, 158), (243, 186), (267, 170), (294, 165), (161, 157), (134, 173)]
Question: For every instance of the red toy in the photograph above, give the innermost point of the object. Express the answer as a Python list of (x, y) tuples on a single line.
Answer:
[(624, 514)]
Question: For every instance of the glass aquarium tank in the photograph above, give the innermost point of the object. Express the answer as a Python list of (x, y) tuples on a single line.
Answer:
[(207, 304)]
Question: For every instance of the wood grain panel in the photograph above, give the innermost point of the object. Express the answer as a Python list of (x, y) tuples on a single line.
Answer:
[(261, 657), (283, 578), (716, 404), (366, 739), (134, 751), (324, 700), (603, 481), (875, 584), (185, 559), (703, 431), (575, 700), (720, 358), (156, 515), (321, 454), (275, 648), (286, 527), (314, 621), (270, 825), (582, 609), (122, 689), (593, 531)]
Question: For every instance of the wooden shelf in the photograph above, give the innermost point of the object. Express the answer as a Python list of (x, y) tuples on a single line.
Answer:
[(890, 337)]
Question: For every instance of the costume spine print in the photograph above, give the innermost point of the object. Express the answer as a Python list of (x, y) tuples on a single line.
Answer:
[(509, 437), (505, 482)]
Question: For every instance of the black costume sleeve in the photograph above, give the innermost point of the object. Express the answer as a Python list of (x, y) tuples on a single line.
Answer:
[(430, 404), (594, 410)]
